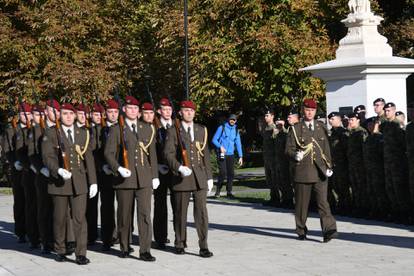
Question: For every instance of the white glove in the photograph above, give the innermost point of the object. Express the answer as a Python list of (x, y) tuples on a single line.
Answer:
[(45, 171), (93, 190), (185, 171), (33, 168), (210, 185), (65, 174), (329, 172), (299, 155), (155, 183), (18, 165), (106, 169), (163, 169), (124, 172)]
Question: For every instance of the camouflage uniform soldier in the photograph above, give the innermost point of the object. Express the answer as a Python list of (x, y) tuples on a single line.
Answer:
[(339, 182), (269, 157), (410, 153), (395, 164), (282, 163), (374, 165), (357, 137)]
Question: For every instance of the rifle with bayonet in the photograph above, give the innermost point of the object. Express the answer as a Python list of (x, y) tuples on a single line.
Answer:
[(156, 122), (41, 120), (121, 122), (177, 125), (103, 122), (61, 145), (28, 122)]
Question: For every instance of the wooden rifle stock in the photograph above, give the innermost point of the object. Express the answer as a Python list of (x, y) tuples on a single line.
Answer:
[(121, 133), (184, 154), (65, 159)]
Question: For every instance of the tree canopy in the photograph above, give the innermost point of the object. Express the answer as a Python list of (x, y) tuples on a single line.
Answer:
[(243, 53)]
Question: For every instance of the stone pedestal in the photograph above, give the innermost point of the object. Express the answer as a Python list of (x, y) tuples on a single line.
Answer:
[(364, 68)]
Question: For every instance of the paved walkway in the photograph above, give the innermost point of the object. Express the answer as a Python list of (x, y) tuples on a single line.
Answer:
[(247, 239)]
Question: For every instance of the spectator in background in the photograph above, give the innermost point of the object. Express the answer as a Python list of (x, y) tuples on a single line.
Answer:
[(227, 140)]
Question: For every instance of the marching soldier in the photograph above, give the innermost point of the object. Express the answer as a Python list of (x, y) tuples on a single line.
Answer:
[(67, 154), (376, 121), (108, 227), (15, 177), (269, 156), (43, 199), (187, 155), (160, 221), (292, 119), (135, 142), (357, 173), (28, 173), (308, 145), (340, 178)]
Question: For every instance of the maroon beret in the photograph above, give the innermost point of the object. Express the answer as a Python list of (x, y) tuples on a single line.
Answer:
[(67, 106), (38, 108), (25, 107), (81, 107), (53, 103), (310, 103), (98, 108), (112, 104), (147, 106), (131, 100), (188, 104), (165, 102)]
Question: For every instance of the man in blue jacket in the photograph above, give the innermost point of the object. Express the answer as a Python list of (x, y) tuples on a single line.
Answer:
[(226, 140)]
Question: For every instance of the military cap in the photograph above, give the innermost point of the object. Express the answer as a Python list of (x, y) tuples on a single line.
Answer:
[(147, 106), (165, 102), (310, 103), (25, 107), (359, 108), (112, 104), (53, 103), (81, 107), (67, 106), (98, 108), (269, 111), (379, 100), (130, 100), (38, 108), (388, 105), (334, 114), (353, 115), (188, 104), (398, 113), (294, 111)]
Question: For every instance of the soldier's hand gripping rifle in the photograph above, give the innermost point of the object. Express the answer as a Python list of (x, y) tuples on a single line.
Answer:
[(156, 122), (121, 123), (177, 125), (61, 145)]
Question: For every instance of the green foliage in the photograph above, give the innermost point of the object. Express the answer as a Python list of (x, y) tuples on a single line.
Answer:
[(243, 53)]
